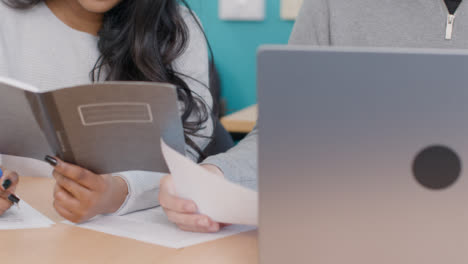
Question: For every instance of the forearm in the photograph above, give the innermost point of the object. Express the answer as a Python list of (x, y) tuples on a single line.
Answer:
[(239, 164)]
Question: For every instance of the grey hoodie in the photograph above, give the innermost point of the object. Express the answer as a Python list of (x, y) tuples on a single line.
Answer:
[(365, 23)]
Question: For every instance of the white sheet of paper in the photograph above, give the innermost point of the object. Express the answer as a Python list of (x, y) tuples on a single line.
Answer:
[(221, 200), (152, 226), (23, 217)]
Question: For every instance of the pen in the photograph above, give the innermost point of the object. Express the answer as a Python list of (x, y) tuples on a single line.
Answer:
[(6, 184), (14, 199)]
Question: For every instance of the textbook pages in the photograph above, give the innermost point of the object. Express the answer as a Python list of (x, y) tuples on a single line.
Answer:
[(104, 127)]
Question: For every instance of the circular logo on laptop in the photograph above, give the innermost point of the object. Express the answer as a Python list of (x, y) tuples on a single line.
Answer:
[(437, 167)]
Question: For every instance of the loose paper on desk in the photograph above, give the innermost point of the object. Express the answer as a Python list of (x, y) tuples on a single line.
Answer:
[(23, 217), (152, 226), (221, 200)]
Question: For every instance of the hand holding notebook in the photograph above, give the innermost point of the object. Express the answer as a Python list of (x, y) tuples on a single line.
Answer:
[(103, 127)]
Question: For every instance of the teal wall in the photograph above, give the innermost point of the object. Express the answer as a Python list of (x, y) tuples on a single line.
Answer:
[(235, 44)]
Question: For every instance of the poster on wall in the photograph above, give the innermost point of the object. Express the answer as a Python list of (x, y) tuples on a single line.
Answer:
[(290, 9), (242, 10)]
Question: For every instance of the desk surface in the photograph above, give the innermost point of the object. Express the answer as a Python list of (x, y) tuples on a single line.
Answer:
[(241, 122), (68, 244)]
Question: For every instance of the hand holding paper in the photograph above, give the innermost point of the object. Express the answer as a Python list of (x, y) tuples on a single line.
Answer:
[(182, 212), (221, 200)]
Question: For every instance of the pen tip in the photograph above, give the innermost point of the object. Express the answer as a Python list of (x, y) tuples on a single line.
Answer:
[(13, 198), (51, 160)]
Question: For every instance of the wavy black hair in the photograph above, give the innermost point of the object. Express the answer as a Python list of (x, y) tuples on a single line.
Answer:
[(139, 41)]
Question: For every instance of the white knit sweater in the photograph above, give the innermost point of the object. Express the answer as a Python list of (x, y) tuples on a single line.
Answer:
[(39, 49)]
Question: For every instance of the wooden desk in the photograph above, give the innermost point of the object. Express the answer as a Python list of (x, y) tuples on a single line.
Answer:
[(241, 122), (68, 244)]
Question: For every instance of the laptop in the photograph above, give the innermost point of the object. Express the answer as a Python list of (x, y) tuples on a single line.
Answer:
[(363, 155)]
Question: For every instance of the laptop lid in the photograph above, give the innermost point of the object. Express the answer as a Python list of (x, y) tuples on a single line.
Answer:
[(362, 155)]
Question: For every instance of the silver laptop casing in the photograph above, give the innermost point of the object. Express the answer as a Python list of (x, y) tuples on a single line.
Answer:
[(339, 130)]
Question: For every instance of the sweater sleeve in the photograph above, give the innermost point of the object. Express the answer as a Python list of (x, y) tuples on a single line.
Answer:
[(143, 190), (192, 67), (240, 164), (312, 26)]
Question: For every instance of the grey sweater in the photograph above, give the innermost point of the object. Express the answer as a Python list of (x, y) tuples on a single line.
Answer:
[(371, 23)]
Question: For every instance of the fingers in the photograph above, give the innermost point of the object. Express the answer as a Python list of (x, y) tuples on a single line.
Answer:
[(183, 212), (177, 204), (167, 184), (5, 204), (65, 199), (75, 173), (4, 195), (193, 222), (82, 193), (169, 201), (10, 180), (75, 189), (188, 219), (65, 213), (213, 229), (67, 206)]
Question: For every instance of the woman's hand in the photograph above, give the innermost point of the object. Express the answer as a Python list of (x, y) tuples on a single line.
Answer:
[(9, 181), (184, 212), (79, 194)]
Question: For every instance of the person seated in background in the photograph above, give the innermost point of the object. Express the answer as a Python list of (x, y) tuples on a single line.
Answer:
[(359, 23), (61, 43)]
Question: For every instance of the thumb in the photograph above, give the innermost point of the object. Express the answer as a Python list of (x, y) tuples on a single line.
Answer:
[(9, 179), (168, 184)]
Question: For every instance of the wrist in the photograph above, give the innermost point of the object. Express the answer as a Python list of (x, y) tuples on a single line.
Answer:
[(213, 169), (116, 194)]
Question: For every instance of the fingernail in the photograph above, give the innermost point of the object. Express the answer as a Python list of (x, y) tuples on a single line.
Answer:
[(213, 227), (190, 208), (6, 184), (13, 198), (204, 222), (51, 160), (1, 173)]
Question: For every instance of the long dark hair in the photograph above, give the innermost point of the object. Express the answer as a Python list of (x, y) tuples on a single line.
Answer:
[(139, 40)]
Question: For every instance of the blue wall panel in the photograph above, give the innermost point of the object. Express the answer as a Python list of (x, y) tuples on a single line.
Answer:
[(235, 45)]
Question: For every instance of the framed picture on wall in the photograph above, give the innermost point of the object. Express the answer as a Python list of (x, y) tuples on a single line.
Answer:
[(290, 9)]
